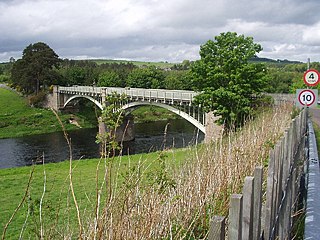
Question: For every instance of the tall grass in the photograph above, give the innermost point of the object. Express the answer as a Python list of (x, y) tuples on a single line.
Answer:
[(161, 200), (182, 203)]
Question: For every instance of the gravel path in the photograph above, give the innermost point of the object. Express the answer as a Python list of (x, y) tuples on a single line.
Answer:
[(9, 88)]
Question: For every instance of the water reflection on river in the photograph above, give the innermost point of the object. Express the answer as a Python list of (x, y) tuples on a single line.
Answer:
[(150, 137)]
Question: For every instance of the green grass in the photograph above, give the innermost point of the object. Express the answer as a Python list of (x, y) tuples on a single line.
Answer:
[(13, 183), (18, 119)]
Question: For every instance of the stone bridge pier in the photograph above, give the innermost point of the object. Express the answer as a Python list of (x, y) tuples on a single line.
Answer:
[(125, 132)]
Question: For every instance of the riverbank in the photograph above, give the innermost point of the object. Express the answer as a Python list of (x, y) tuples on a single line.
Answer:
[(18, 119)]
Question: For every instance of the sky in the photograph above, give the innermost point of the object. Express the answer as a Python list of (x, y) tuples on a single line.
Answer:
[(158, 30)]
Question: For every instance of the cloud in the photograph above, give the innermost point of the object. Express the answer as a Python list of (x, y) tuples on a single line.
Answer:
[(153, 30)]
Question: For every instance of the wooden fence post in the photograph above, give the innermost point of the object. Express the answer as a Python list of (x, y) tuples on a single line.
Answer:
[(257, 202), (278, 186), (285, 174), (217, 228), (270, 196), (235, 217), (247, 223)]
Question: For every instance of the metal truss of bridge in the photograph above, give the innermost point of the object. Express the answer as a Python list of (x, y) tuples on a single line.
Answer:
[(177, 101)]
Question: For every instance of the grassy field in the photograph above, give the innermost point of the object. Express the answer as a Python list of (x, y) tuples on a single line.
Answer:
[(58, 206), (18, 119)]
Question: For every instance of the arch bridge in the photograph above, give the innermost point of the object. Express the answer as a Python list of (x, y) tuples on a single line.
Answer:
[(178, 101)]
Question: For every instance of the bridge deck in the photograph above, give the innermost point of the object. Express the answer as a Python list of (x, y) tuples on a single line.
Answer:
[(136, 94)]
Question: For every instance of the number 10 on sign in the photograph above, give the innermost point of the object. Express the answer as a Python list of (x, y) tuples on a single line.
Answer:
[(307, 97)]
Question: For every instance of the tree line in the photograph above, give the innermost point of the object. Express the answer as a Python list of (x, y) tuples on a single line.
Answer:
[(40, 67)]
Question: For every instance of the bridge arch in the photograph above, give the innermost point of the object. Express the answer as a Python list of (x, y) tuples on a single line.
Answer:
[(182, 114), (83, 96)]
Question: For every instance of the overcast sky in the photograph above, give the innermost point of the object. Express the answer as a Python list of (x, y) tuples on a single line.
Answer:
[(158, 30)]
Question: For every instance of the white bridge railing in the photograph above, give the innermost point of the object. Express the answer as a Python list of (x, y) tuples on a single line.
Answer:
[(137, 94)]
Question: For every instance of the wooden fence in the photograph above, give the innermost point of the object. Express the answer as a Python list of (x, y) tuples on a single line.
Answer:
[(267, 212)]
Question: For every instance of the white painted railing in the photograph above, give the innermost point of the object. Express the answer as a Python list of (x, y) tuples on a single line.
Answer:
[(161, 95)]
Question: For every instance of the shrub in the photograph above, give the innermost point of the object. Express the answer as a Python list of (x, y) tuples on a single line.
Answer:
[(37, 100)]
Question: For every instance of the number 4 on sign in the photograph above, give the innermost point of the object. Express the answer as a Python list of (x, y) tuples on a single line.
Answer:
[(311, 77)]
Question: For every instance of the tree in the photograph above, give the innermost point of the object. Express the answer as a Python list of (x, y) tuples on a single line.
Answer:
[(149, 77), (109, 79), (34, 69), (228, 82), (178, 80)]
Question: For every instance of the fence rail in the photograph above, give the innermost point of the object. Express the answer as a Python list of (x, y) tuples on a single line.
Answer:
[(246, 219)]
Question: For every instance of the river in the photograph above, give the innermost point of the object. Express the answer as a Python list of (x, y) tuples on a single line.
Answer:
[(52, 147)]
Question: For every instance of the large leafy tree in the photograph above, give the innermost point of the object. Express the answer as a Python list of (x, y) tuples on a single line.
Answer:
[(228, 82), (35, 69), (149, 77), (110, 79)]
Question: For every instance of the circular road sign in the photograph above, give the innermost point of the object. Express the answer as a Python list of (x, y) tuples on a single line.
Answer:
[(306, 97), (311, 77)]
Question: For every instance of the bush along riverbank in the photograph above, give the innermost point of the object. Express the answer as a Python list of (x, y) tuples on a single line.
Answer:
[(18, 119)]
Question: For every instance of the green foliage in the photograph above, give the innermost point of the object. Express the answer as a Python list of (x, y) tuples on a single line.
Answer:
[(178, 80), (161, 177), (149, 77), (228, 81), (4, 78), (35, 68), (38, 99), (78, 73), (112, 118), (110, 79)]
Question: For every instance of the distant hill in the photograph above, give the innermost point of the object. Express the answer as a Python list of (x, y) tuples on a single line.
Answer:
[(269, 60)]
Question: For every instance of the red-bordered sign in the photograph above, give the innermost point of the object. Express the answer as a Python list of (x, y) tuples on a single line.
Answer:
[(311, 77), (307, 97)]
